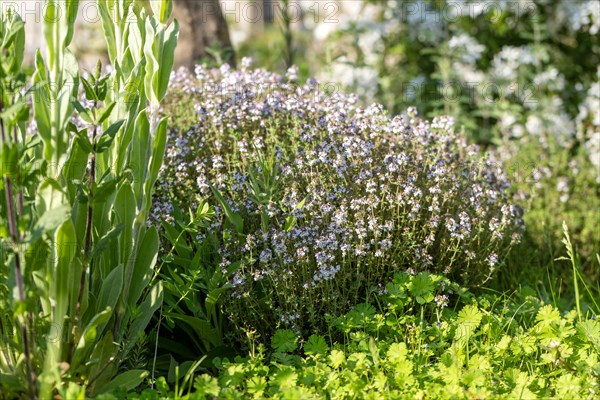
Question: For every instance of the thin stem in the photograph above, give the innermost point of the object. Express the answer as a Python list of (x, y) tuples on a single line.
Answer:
[(88, 231), (173, 248), (573, 258), (90, 212), (12, 226), (156, 347), (20, 192), (91, 381)]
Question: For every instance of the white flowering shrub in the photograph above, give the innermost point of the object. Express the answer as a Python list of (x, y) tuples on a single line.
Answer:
[(318, 201), (520, 77), (504, 66)]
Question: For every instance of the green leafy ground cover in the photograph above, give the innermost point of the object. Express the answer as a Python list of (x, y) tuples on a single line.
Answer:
[(426, 338)]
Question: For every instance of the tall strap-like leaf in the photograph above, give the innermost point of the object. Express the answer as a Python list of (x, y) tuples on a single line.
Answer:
[(66, 249), (160, 52), (59, 20), (162, 9), (125, 211), (59, 75), (144, 266), (13, 38), (155, 162)]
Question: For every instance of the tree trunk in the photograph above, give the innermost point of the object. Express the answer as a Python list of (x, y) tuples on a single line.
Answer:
[(269, 11), (202, 26)]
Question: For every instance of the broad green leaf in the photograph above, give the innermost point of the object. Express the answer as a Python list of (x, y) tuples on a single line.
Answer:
[(109, 26), (9, 156), (108, 136), (468, 321), (122, 152), (374, 351), (316, 345), (105, 190), (111, 289), (51, 220), (82, 140), (145, 312), (104, 241), (162, 9), (235, 219), (158, 151), (336, 358), (73, 287), (100, 363), (71, 14), (90, 93), (89, 336), (167, 57), (66, 249), (160, 45), (152, 64), (284, 340), (125, 211), (83, 112), (547, 315), (290, 221), (76, 163), (139, 155), (41, 103), (144, 265), (50, 196), (136, 41), (203, 328), (11, 113), (422, 287), (212, 299), (106, 113), (127, 380), (15, 39), (397, 353)]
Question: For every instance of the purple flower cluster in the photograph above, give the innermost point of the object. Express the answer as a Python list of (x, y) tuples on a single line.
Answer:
[(357, 194)]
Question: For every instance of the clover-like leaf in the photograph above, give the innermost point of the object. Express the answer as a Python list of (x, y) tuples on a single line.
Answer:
[(337, 358), (397, 352), (315, 345), (422, 287), (365, 310), (589, 330), (468, 321), (285, 378), (547, 315), (206, 385), (284, 340)]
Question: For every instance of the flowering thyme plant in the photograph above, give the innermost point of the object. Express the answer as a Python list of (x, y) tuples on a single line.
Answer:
[(321, 201)]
